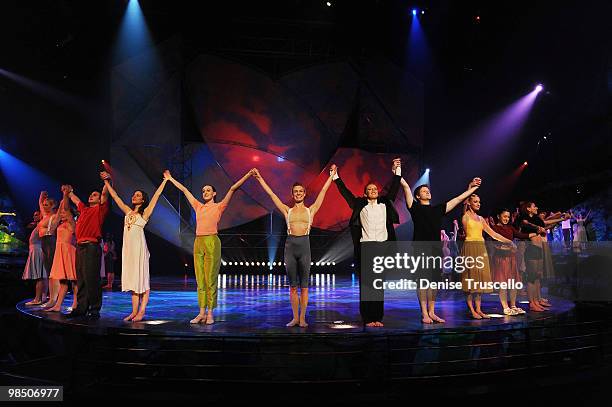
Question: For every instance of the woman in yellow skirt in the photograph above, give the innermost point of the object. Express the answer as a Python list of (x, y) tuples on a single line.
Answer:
[(474, 252)]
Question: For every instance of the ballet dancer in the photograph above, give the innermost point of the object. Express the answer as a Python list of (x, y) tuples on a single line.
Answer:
[(297, 246), (46, 232), (35, 265), (207, 246)]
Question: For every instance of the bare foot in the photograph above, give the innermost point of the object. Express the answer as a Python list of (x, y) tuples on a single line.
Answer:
[(371, 324), (209, 319), (436, 318), (129, 317), (535, 308), (427, 320), (293, 322), (476, 315), (379, 324), (34, 302), (303, 324), (482, 314), (139, 317), (53, 309), (48, 304), (198, 319), (544, 303)]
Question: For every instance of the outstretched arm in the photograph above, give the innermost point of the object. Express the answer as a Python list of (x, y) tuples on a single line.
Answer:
[(190, 198), (124, 208), (474, 185), (233, 188), (493, 233), (407, 193), (149, 209), (277, 202), (319, 201)]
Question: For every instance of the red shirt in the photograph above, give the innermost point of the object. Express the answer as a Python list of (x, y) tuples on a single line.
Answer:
[(89, 224)]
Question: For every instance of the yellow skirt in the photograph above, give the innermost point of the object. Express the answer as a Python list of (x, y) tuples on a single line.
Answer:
[(480, 271)]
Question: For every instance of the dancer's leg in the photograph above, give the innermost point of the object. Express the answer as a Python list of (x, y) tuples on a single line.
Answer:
[(198, 265), (503, 298), (478, 303), (470, 305), (38, 287), (431, 298), (144, 300), (61, 294), (134, 307), (422, 296), (212, 264), (291, 266), (75, 291), (295, 303), (303, 306), (513, 295)]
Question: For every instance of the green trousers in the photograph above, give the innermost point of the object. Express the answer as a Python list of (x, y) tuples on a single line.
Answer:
[(206, 262)]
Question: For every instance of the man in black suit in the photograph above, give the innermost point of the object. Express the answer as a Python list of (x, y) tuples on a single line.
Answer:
[(371, 222)]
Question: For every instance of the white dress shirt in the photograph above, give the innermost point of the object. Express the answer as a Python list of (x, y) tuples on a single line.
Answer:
[(373, 222)]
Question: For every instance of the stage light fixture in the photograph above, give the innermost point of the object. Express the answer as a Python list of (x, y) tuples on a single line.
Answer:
[(422, 12), (539, 87), (427, 170), (414, 12), (525, 163), (328, 4)]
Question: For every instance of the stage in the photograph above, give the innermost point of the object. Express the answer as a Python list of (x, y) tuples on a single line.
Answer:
[(250, 344), (262, 310)]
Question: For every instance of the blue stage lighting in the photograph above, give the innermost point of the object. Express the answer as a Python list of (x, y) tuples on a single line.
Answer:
[(414, 12)]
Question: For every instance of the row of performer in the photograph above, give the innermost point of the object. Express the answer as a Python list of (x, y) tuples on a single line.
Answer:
[(69, 252)]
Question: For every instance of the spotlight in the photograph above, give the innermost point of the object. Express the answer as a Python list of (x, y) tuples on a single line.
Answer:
[(427, 170), (477, 18), (545, 138), (242, 263), (252, 263), (414, 12), (258, 263), (525, 163), (328, 4), (422, 12), (539, 87)]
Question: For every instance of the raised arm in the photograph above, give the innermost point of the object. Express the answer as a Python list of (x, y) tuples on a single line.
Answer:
[(41, 198), (395, 182), (344, 191), (149, 209), (124, 208), (407, 193), (233, 188), (314, 208), (474, 185), (75, 199), (277, 202), (455, 229), (190, 198)]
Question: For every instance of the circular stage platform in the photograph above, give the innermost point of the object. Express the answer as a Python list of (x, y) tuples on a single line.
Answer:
[(249, 342)]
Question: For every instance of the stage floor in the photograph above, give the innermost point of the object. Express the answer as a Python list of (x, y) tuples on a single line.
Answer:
[(264, 310)]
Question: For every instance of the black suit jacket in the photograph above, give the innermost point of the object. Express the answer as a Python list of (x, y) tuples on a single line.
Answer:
[(357, 203)]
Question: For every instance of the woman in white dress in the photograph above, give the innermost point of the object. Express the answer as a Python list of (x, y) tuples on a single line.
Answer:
[(580, 235), (135, 254)]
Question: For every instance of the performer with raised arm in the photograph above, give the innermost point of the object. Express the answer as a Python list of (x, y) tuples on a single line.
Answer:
[(529, 222), (135, 253), (35, 264), (477, 273), (207, 246), (63, 271), (46, 233), (427, 219), (504, 262), (372, 221), (88, 232), (297, 246)]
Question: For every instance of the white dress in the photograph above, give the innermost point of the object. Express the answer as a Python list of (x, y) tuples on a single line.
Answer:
[(134, 255)]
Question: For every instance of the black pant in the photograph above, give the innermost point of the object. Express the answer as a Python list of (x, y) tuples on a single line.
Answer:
[(371, 301), (88, 262), (566, 235), (47, 243)]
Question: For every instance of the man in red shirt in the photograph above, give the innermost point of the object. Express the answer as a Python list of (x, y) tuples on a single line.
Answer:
[(89, 254)]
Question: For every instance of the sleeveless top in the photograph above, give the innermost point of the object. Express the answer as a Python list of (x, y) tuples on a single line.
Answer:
[(473, 230), (289, 225)]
